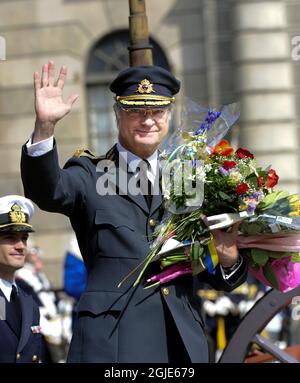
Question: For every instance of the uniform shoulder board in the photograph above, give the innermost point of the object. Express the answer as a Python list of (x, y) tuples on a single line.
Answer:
[(83, 152)]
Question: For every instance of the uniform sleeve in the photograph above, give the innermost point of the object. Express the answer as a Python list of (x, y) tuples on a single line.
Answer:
[(50, 187)]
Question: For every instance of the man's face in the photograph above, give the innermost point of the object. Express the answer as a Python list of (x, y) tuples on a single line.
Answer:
[(12, 250), (142, 130)]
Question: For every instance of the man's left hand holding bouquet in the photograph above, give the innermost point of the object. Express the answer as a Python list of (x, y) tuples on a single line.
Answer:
[(226, 246)]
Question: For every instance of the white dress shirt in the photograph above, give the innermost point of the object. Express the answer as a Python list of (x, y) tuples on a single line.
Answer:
[(6, 288), (133, 162)]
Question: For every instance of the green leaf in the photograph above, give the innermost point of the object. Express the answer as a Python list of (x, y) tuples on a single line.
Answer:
[(253, 228), (270, 276), (252, 179), (271, 199), (195, 250), (187, 136), (223, 195), (295, 257), (254, 265), (260, 256), (197, 266)]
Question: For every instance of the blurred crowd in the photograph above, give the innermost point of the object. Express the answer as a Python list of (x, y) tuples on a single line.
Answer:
[(224, 311)]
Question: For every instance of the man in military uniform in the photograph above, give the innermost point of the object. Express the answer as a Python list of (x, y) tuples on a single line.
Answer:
[(20, 338), (121, 324)]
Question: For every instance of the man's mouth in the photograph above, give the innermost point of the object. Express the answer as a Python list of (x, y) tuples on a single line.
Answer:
[(146, 131)]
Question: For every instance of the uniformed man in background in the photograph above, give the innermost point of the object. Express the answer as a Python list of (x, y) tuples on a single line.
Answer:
[(20, 338)]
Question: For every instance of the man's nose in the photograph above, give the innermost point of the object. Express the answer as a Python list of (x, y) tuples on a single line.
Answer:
[(148, 118), (20, 244)]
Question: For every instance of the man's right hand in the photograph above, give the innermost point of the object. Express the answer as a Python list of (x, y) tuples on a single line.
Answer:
[(49, 105)]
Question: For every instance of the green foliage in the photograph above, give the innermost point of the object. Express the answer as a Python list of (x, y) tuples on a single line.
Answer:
[(270, 276), (259, 256)]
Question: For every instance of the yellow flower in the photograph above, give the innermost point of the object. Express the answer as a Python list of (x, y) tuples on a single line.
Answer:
[(294, 203), (243, 207), (235, 176)]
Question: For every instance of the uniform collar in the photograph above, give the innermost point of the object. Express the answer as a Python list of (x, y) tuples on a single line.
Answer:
[(133, 160), (6, 287)]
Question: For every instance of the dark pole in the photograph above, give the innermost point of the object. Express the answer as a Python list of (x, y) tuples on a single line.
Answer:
[(140, 50)]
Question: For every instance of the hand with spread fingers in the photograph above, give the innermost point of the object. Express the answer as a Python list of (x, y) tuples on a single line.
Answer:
[(49, 104), (226, 245)]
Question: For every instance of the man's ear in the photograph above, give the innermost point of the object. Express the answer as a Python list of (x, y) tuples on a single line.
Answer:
[(117, 119), (117, 116)]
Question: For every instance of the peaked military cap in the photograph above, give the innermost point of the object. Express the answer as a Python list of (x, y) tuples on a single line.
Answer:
[(145, 86), (15, 213)]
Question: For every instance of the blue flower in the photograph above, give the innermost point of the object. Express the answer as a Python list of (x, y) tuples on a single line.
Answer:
[(209, 120), (256, 195), (251, 207), (223, 171)]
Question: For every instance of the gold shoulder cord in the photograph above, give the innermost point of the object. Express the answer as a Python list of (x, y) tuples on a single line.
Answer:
[(83, 152)]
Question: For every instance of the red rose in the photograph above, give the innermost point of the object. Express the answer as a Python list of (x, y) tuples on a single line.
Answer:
[(242, 188), (243, 153), (272, 179), (229, 165), (260, 181)]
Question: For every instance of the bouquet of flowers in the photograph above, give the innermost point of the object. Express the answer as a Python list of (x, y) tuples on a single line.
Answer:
[(207, 185)]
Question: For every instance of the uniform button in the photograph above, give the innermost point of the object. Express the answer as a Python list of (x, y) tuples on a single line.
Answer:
[(152, 222), (18, 356), (34, 358), (165, 291)]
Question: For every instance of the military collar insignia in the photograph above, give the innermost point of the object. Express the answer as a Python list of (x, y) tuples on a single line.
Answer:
[(16, 215), (145, 86)]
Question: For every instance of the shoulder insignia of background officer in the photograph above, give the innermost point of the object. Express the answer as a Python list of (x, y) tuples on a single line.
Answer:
[(83, 152)]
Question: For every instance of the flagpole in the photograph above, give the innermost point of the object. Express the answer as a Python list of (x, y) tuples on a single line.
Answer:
[(140, 50)]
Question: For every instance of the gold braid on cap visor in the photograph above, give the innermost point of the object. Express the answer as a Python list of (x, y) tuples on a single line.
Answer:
[(145, 99)]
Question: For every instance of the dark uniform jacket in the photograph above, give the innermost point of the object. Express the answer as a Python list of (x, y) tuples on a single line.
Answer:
[(114, 324), (20, 344)]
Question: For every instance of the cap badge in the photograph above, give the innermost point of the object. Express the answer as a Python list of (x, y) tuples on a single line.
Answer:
[(145, 86), (16, 215)]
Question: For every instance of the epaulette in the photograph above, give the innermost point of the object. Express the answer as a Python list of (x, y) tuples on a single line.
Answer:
[(83, 152), (110, 155)]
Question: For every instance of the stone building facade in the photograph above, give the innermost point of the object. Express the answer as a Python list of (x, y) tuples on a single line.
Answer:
[(223, 50)]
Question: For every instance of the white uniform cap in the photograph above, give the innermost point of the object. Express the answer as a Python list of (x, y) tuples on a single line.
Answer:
[(15, 213)]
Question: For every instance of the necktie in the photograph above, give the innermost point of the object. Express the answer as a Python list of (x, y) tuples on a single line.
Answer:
[(145, 183), (15, 303)]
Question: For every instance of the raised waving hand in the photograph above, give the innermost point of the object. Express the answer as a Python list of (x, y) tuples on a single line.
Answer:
[(49, 104)]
